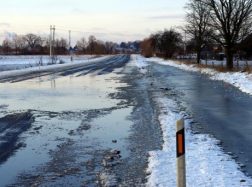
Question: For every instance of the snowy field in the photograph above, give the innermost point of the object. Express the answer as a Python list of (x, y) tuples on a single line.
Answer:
[(207, 165), (21, 62), (241, 80), (37, 68)]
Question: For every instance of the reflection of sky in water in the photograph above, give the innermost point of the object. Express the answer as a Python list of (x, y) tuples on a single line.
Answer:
[(38, 145), (113, 127), (61, 94)]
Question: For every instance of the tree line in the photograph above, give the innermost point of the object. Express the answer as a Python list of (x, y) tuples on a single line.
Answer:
[(32, 44), (220, 25)]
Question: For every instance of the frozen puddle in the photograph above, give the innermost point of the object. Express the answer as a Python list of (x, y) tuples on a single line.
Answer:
[(207, 165)]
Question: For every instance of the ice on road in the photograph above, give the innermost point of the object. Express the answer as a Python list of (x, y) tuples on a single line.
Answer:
[(207, 164)]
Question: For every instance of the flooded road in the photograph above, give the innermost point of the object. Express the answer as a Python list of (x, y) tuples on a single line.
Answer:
[(94, 124), (77, 127)]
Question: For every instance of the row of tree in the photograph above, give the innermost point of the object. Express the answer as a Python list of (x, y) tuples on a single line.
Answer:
[(33, 44), (164, 43), (225, 23)]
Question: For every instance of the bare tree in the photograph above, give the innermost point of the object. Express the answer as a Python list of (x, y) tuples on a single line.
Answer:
[(33, 40), (197, 26), (82, 45), (6, 46), (60, 46), (109, 46), (91, 44), (148, 47), (169, 42), (231, 20), (19, 43)]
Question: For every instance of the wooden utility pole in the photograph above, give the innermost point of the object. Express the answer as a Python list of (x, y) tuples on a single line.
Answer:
[(50, 40), (53, 43), (69, 44), (70, 52)]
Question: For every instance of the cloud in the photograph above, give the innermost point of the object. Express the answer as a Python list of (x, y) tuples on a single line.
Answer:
[(169, 16), (4, 24)]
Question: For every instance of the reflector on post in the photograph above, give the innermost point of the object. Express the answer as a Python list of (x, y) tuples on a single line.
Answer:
[(181, 168)]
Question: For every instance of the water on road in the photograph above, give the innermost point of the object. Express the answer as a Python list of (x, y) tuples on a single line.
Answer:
[(75, 127), (94, 124), (218, 109)]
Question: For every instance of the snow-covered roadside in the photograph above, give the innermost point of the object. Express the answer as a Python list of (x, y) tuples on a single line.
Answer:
[(18, 62), (140, 62), (5, 74), (207, 164), (243, 81)]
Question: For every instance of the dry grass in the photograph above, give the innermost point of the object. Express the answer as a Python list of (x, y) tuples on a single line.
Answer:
[(223, 69), (247, 69)]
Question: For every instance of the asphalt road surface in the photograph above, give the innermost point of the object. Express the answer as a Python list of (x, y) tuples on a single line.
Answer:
[(94, 124), (217, 108)]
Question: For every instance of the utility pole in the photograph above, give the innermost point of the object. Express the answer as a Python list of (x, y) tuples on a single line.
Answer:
[(69, 44), (50, 40), (70, 53), (53, 37), (53, 43)]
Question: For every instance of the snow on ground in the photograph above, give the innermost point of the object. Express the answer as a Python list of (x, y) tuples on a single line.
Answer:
[(207, 164), (4, 74), (241, 80), (140, 62), (21, 61), (237, 63)]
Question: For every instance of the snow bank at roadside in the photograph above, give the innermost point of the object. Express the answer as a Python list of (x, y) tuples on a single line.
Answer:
[(207, 165), (243, 81), (36, 69), (140, 62)]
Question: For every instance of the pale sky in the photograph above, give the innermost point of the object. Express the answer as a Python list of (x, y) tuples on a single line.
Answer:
[(116, 20)]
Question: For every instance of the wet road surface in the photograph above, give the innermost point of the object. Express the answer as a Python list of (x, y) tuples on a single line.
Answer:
[(217, 108), (94, 124), (89, 125)]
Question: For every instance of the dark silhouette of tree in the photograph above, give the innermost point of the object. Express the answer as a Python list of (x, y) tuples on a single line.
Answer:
[(197, 18), (147, 47), (231, 21), (246, 46), (6, 46), (91, 44), (61, 46), (82, 45), (169, 42), (109, 47), (33, 41), (165, 44), (19, 44)]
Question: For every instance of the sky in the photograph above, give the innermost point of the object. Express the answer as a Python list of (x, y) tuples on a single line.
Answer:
[(108, 20)]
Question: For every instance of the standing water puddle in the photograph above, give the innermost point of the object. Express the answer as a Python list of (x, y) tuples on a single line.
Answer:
[(75, 127)]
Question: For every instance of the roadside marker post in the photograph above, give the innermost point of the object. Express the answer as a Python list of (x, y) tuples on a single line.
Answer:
[(181, 164)]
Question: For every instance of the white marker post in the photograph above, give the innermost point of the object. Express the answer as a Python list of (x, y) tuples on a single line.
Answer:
[(181, 165)]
